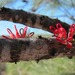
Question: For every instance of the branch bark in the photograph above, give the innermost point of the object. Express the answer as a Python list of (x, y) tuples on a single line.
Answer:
[(30, 19), (15, 50)]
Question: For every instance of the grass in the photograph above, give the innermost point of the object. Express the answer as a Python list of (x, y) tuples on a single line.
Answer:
[(56, 66)]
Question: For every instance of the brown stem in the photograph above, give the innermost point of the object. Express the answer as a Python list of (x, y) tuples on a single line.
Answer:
[(15, 50), (30, 19)]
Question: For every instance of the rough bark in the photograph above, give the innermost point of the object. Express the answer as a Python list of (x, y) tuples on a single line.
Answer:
[(30, 19), (15, 50), (26, 49)]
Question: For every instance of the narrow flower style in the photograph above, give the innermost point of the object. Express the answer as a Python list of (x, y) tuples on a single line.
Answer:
[(62, 36), (21, 34)]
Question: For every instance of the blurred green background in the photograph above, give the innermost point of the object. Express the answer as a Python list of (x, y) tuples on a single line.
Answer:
[(56, 66)]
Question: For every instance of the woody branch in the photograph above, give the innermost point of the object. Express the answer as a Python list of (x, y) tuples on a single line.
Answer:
[(32, 49), (30, 19), (14, 50)]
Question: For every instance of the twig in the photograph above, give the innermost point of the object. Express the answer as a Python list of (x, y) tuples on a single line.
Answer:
[(30, 19)]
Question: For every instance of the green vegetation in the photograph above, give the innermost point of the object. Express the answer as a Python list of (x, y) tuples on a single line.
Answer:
[(56, 66)]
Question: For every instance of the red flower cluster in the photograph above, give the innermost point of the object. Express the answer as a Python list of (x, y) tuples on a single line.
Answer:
[(62, 36), (21, 34)]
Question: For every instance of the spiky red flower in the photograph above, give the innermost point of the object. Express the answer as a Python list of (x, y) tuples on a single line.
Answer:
[(18, 34), (61, 34)]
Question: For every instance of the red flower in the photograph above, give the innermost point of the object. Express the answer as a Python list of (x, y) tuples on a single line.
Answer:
[(61, 34), (21, 34)]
